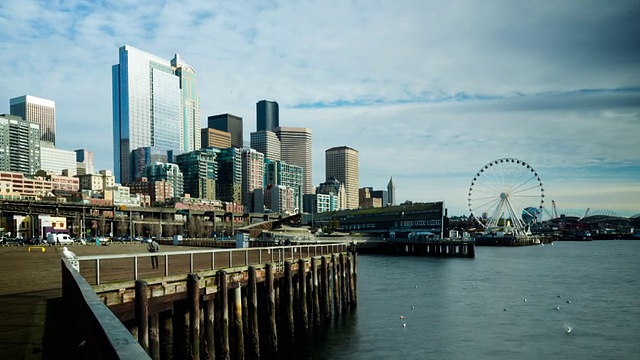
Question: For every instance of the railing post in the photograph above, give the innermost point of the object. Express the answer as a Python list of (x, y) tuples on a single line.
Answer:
[(97, 271)]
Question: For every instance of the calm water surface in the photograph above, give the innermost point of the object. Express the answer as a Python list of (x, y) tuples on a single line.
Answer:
[(476, 308)]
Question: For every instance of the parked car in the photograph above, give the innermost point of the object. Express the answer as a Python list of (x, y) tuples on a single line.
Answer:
[(53, 238)]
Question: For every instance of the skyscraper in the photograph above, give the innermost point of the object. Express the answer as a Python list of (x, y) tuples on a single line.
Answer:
[(84, 160), (151, 97), (391, 193), (189, 105), (341, 163), (229, 123), (39, 111), (267, 115), (252, 176), (19, 145), (295, 149), (267, 143)]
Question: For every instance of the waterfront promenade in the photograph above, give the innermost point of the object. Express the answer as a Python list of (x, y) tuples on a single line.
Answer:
[(30, 297)]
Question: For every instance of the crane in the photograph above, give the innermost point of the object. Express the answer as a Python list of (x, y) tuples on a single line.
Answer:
[(586, 213), (555, 210)]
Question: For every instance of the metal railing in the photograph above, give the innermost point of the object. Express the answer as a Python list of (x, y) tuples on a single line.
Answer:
[(123, 267)]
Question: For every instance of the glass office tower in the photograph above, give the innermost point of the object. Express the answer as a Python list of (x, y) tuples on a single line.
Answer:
[(267, 115), (148, 107)]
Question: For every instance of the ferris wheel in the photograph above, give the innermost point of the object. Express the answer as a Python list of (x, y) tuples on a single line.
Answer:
[(506, 193)]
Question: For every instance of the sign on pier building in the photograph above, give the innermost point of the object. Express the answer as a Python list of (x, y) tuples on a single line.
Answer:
[(400, 221)]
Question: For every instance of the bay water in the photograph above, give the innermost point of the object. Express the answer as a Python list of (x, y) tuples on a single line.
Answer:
[(570, 300)]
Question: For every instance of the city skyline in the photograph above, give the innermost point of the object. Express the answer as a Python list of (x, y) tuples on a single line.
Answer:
[(428, 93)]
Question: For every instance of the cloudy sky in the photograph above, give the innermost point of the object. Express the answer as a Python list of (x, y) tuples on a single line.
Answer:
[(427, 91)]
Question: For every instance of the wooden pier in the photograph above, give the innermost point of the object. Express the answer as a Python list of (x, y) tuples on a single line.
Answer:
[(436, 248), (241, 303)]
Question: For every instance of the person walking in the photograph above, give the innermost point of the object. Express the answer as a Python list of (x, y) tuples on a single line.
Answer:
[(153, 247)]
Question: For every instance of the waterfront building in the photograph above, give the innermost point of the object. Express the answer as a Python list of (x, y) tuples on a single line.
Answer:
[(341, 163), (57, 160), (296, 149), (229, 123), (266, 142), (189, 105), (84, 162), (267, 115), (336, 188), (319, 203), (252, 176), (366, 200), (391, 192), (229, 184), (215, 138), (168, 172), (16, 185), (283, 174), (200, 170), (38, 111), (149, 107), (20, 145)]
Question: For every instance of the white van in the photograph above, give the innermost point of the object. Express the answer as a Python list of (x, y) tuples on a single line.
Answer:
[(53, 238)]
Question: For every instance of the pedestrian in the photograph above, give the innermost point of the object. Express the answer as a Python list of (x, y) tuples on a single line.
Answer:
[(153, 247)]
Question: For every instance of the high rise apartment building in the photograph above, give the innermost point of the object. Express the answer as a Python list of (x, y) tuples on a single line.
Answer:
[(20, 145), (200, 170), (229, 123), (39, 111), (155, 104), (283, 174), (166, 172), (229, 184), (266, 142), (252, 176), (267, 115), (295, 149), (341, 163)]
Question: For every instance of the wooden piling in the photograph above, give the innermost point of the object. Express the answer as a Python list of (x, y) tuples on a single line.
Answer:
[(354, 275), (209, 329), (316, 293), (223, 296), (253, 351), (193, 297), (237, 322), (344, 297), (272, 329), (335, 288), (349, 279), (302, 299), (166, 335), (287, 297), (326, 295), (154, 336), (142, 314)]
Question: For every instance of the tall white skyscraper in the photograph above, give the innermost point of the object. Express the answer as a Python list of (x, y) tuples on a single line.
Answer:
[(39, 111), (155, 104), (341, 163), (295, 149)]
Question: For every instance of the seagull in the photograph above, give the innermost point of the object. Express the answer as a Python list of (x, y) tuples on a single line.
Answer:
[(557, 307), (404, 325), (505, 309), (68, 254), (413, 307), (401, 317), (568, 301), (525, 300)]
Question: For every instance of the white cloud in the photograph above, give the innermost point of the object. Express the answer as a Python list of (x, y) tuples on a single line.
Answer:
[(436, 89)]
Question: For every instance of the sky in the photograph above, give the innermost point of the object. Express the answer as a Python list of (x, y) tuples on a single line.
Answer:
[(427, 91)]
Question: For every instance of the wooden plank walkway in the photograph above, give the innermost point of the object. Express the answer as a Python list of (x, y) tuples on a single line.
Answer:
[(30, 294)]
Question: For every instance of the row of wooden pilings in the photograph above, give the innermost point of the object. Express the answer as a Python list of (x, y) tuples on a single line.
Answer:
[(255, 312)]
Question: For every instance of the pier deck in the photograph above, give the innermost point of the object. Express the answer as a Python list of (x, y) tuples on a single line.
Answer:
[(30, 292)]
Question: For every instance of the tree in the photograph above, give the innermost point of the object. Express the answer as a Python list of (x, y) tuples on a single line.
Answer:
[(121, 227), (139, 227)]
